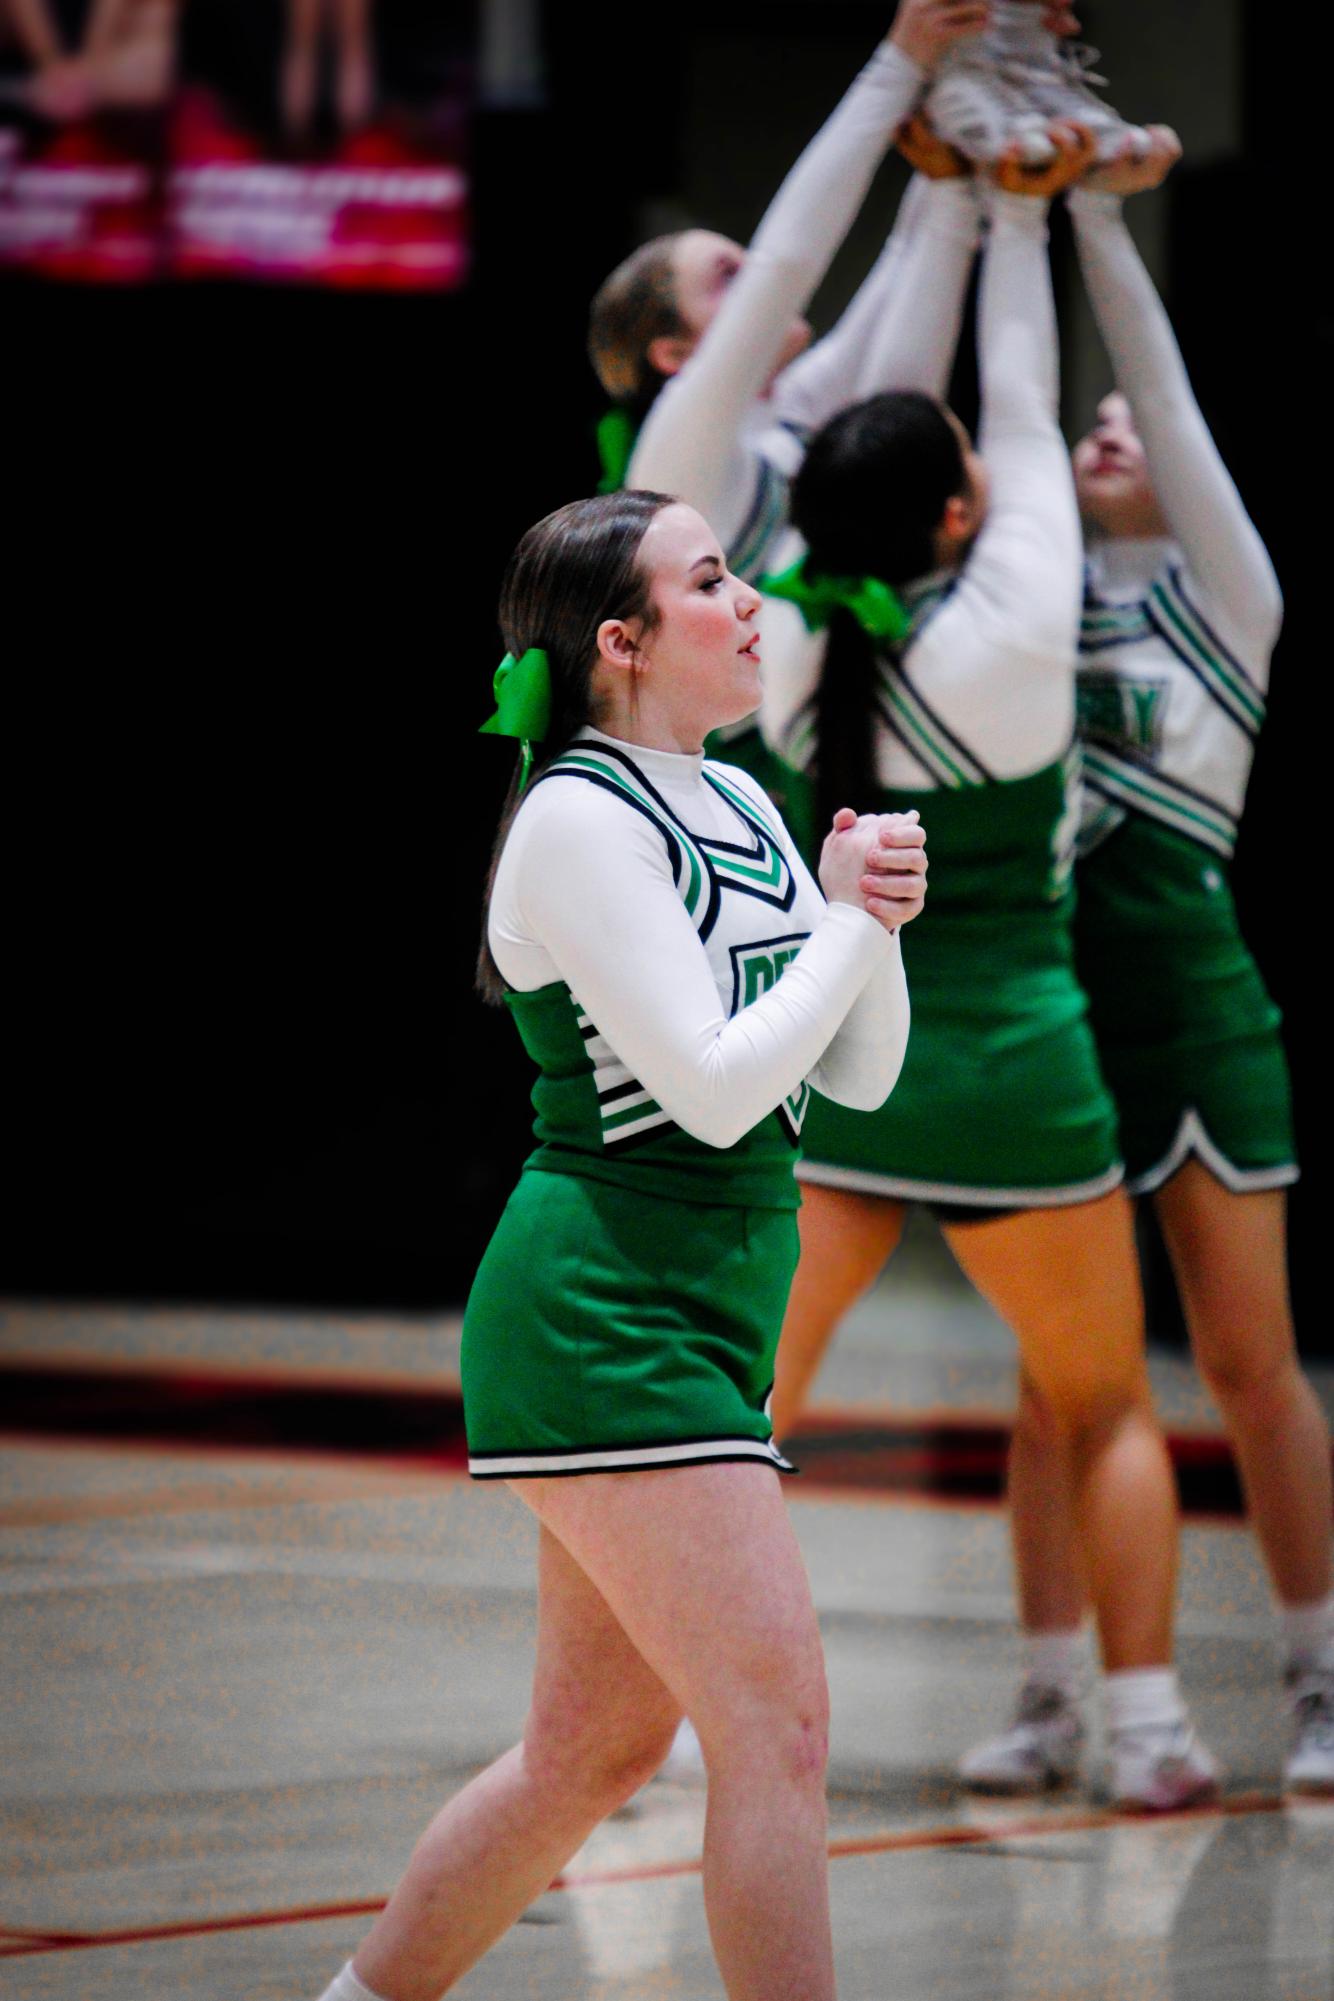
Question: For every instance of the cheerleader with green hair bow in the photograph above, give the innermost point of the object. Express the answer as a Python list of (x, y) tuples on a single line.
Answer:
[(920, 653), (680, 983)]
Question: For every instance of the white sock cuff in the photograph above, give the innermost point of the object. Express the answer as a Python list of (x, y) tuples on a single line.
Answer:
[(1057, 1660), (347, 1987), (1142, 1698), (1309, 1632)]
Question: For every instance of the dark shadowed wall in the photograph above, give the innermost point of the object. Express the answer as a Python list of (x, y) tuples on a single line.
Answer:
[(250, 612)]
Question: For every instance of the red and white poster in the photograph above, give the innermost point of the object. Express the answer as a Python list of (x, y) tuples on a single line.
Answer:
[(84, 89), (311, 141)]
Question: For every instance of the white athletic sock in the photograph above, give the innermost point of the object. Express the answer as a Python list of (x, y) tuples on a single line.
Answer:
[(1057, 1660), (1309, 1633), (348, 1988), (1143, 1699)]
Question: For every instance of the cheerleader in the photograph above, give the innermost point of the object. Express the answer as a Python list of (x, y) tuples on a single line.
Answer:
[(681, 984), (1181, 615)]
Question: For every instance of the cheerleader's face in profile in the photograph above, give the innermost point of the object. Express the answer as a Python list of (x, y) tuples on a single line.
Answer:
[(697, 668), (704, 265), (1116, 495)]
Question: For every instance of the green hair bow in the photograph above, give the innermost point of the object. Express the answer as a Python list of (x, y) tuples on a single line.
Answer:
[(616, 434), (522, 689), (873, 604)]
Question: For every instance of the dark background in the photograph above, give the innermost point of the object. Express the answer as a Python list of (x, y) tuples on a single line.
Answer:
[(249, 620)]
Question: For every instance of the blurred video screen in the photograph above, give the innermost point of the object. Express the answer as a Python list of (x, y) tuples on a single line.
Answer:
[(322, 142)]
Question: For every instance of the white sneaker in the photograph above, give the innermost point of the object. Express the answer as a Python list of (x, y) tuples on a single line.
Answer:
[(1161, 1767), (684, 1763), (1060, 85), (1012, 82), (1040, 1750), (978, 108), (1309, 1765)]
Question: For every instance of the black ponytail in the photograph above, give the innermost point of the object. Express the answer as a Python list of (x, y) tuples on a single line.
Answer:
[(868, 500), (845, 769)]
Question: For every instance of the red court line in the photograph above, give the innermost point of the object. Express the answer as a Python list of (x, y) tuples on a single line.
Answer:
[(961, 1457), (40, 1942), (389, 1475), (956, 1834), (255, 1372), (962, 1834), (829, 1419)]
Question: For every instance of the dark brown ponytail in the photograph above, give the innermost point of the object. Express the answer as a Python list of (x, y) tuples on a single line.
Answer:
[(571, 572)]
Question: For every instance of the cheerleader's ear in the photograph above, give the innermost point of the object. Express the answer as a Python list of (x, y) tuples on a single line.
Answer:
[(959, 523), (619, 643), (669, 353)]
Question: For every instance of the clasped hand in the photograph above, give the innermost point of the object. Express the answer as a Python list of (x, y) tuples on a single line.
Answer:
[(877, 863)]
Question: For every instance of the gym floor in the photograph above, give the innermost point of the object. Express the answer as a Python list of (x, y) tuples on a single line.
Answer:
[(255, 1624)]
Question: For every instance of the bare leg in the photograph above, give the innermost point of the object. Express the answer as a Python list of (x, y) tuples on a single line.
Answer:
[(1066, 1281), (356, 63), (703, 1571), (299, 82), (1048, 1562), (35, 29), (635, 1572), (1229, 1254), (600, 1724), (845, 1242)]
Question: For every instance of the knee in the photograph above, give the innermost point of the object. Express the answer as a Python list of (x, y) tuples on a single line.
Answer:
[(638, 1757), (775, 1711), (1243, 1379), (1036, 1422), (800, 1744), (1090, 1415), (605, 1757)]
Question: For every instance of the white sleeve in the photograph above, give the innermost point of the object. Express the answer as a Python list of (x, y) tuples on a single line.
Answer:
[(861, 1064), (997, 660), (588, 880), (1194, 489), (913, 345), (824, 380), (690, 443)]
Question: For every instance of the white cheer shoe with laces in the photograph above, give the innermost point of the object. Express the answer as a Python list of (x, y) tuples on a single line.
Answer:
[(1162, 1767), (1007, 85), (1309, 1765), (1040, 1751)]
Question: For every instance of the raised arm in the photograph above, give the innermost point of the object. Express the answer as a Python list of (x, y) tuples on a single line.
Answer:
[(689, 444), (1193, 486), (1021, 584), (821, 382), (588, 880), (998, 658), (914, 344)]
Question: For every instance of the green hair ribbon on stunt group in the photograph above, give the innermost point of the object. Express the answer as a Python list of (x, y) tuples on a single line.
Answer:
[(616, 434), (873, 604)]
